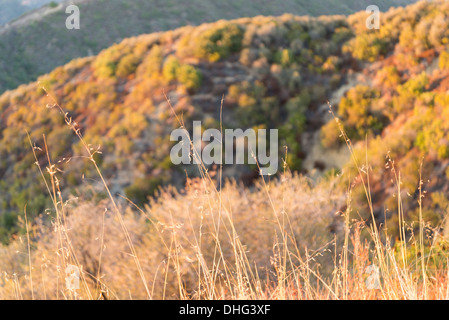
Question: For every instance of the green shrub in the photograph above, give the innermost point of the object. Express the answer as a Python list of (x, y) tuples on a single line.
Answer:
[(151, 65), (291, 131), (356, 111), (189, 76), (415, 85), (170, 68), (127, 65), (368, 47), (141, 189), (106, 62), (284, 57), (431, 137), (409, 92), (215, 43), (389, 76), (330, 134)]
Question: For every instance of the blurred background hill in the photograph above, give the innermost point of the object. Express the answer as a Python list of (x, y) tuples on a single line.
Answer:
[(13, 9), (275, 72), (38, 42)]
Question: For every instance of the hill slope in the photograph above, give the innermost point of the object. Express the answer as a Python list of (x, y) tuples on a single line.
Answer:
[(30, 47), (12, 9), (275, 72), (270, 69)]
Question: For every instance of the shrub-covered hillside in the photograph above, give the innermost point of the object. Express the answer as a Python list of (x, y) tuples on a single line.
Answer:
[(39, 42), (275, 72), (401, 107)]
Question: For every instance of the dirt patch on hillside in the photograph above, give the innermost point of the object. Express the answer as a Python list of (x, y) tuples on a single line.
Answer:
[(319, 159)]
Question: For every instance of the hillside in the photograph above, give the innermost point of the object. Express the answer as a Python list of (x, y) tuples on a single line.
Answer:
[(364, 182), (270, 70), (13, 9), (9, 10), (275, 72), (39, 42), (399, 106)]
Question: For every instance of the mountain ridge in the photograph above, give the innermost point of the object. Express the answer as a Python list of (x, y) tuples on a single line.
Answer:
[(36, 47)]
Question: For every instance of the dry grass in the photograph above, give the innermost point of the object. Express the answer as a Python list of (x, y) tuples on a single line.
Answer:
[(282, 239)]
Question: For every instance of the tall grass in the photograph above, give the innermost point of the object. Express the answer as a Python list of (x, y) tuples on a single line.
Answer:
[(285, 238)]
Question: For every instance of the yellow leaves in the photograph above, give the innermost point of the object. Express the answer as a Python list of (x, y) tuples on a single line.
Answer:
[(127, 65), (246, 101), (443, 61), (170, 68)]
